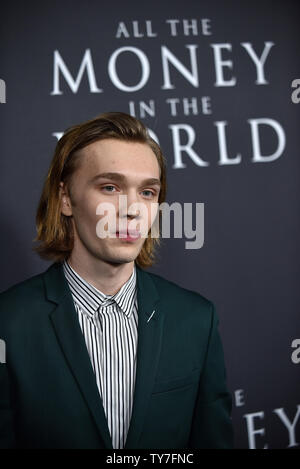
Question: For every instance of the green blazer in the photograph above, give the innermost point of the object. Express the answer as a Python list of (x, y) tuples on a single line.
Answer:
[(48, 392)]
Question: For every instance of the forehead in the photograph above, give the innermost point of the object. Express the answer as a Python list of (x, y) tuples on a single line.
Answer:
[(111, 155)]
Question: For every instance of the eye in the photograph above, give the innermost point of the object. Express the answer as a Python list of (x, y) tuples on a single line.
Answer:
[(147, 193), (108, 188)]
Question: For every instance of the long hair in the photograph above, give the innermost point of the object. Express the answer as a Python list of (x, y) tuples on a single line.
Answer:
[(55, 230)]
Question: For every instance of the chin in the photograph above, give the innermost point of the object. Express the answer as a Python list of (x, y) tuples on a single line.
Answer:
[(121, 257), (119, 260)]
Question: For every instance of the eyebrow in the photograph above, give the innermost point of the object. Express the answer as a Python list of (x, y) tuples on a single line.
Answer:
[(121, 178)]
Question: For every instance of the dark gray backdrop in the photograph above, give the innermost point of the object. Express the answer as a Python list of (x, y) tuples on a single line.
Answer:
[(249, 264)]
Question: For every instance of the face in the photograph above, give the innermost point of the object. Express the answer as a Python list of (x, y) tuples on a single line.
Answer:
[(107, 170)]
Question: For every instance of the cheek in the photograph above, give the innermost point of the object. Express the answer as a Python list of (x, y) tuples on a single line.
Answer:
[(153, 212), (154, 220), (149, 213), (85, 211)]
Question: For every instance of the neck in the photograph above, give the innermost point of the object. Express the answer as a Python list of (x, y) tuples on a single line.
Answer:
[(106, 277)]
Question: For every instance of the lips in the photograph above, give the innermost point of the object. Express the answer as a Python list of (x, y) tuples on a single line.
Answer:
[(131, 234)]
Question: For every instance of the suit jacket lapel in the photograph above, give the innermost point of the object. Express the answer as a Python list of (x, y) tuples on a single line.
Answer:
[(150, 330), (70, 337)]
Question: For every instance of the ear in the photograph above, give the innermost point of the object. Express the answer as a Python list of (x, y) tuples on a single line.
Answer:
[(66, 206)]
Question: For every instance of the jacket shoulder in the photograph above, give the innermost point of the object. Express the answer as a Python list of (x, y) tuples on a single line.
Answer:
[(19, 297), (22, 288), (175, 293)]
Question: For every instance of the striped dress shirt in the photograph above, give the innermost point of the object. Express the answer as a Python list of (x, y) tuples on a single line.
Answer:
[(109, 326)]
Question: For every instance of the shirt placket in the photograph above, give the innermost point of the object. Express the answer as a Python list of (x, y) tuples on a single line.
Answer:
[(107, 362)]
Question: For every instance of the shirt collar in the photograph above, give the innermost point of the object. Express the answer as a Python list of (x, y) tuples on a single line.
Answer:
[(89, 298)]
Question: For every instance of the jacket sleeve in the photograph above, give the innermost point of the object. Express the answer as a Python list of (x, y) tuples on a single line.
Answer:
[(212, 425), (7, 439)]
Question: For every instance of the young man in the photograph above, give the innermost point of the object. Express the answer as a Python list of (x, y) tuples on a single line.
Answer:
[(100, 353)]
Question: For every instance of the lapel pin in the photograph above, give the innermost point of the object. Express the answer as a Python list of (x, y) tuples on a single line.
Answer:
[(151, 315)]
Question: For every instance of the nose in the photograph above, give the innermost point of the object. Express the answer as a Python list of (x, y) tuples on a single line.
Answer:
[(132, 211), (129, 205)]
